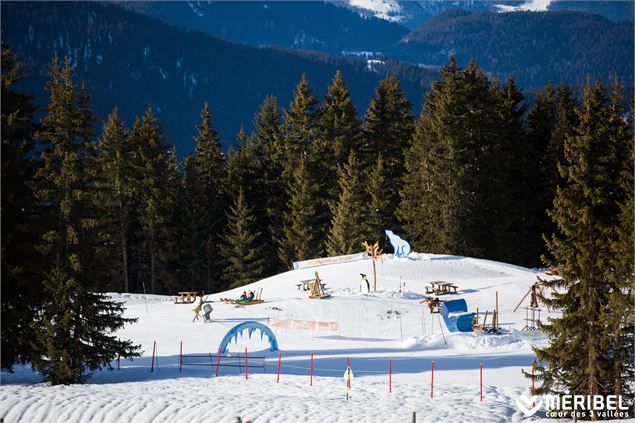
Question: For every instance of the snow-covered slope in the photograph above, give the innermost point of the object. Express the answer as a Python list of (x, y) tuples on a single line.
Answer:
[(371, 329)]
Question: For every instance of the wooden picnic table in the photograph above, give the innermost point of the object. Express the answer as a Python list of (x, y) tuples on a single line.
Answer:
[(441, 288), (305, 285), (187, 297)]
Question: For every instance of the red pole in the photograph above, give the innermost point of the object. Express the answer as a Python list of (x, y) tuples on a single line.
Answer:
[(432, 382), (217, 362), (279, 359), (311, 372), (481, 381), (153, 350), (181, 357), (390, 375), (118, 359), (246, 364)]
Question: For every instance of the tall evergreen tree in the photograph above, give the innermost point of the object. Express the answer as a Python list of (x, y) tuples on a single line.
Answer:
[(454, 195), (346, 231), (268, 139), (300, 128), (243, 254), (340, 132), (116, 182), (586, 210), (204, 201), (387, 130), (73, 331), (157, 192), (299, 241), (375, 218), (300, 134), (21, 287)]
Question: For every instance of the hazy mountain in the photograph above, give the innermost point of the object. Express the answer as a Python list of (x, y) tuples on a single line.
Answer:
[(131, 61), (313, 25), (534, 47)]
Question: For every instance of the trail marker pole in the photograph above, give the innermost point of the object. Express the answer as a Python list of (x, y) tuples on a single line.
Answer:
[(311, 372), (217, 362), (432, 381), (154, 348), (181, 357), (390, 375), (246, 364), (481, 381), (279, 360), (119, 358)]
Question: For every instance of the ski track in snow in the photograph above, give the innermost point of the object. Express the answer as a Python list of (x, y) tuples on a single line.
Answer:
[(369, 333)]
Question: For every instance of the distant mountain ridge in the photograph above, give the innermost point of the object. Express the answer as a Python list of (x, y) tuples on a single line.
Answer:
[(534, 47), (132, 61), (312, 25)]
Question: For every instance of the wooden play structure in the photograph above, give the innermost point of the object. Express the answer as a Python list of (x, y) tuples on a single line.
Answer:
[(441, 288), (187, 297), (317, 288), (375, 253), (483, 326), (246, 301), (434, 304), (532, 311)]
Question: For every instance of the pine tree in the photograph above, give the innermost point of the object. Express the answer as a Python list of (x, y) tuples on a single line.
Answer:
[(387, 130), (340, 132), (375, 218), (116, 184), (155, 160), (300, 127), (456, 196), (299, 135), (346, 231), (21, 287), (268, 139), (620, 312), (243, 254), (72, 333), (203, 205), (299, 240), (540, 185), (587, 210)]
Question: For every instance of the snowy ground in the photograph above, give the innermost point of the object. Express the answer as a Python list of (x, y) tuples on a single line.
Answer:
[(371, 329)]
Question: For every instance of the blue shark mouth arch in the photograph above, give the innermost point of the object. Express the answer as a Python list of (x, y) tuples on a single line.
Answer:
[(250, 327)]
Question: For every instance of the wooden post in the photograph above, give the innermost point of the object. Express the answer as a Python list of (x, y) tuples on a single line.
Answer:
[(154, 347), (217, 362), (246, 364), (432, 381), (348, 366), (118, 359), (496, 322), (181, 357), (481, 381), (311, 372), (374, 277), (414, 417), (390, 375), (279, 359)]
